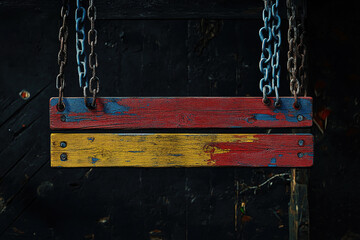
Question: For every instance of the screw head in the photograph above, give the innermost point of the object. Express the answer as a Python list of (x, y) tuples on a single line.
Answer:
[(63, 157), (300, 154), (301, 142), (63, 118), (300, 118), (63, 144)]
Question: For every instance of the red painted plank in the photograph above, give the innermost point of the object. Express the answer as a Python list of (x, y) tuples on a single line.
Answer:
[(180, 112), (272, 150)]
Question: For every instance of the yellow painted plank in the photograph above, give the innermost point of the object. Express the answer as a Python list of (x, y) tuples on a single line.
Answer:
[(169, 150)]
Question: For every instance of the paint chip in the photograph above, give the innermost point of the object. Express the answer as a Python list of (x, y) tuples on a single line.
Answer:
[(94, 160), (25, 95)]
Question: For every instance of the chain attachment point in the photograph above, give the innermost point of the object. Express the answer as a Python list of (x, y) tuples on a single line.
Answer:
[(265, 99)]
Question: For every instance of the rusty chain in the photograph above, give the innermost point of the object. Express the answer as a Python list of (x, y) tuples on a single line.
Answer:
[(302, 51), (62, 55), (94, 84), (297, 50)]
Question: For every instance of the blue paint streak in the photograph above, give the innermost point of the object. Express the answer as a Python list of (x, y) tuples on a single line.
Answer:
[(251, 119), (114, 108), (265, 117), (280, 155), (91, 139), (136, 151), (53, 102), (272, 165), (72, 105), (176, 155), (77, 118), (75, 106), (94, 160)]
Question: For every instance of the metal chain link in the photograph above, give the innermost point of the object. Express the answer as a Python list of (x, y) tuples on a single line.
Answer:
[(94, 85), (62, 55), (293, 53), (302, 51), (270, 37), (80, 45), (266, 52), (275, 30)]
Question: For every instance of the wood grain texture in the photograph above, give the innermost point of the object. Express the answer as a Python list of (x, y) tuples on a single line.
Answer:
[(160, 9), (179, 112), (181, 150), (299, 222)]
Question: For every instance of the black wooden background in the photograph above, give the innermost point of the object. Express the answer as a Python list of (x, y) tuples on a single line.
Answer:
[(167, 48)]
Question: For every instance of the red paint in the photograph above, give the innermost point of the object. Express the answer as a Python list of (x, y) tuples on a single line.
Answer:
[(180, 112), (262, 152), (324, 114)]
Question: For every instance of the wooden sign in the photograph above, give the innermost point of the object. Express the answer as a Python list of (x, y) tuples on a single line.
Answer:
[(180, 112), (181, 150)]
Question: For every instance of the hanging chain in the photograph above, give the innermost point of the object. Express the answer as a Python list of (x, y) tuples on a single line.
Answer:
[(293, 53), (94, 85), (62, 55), (270, 37), (302, 50), (275, 30), (266, 55), (80, 45)]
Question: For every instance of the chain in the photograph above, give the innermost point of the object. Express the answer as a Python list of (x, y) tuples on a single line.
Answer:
[(94, 85), (292, 63), (80, 46), (302, 50), (266, 52), (270, 37), (62, 55), (275, 30)]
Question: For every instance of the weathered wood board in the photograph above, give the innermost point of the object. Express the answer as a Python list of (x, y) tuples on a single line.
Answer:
[(180, 9), (180, 150), (180, 112)]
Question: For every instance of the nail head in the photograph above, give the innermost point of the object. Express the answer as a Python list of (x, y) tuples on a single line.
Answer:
[(63, 157), (63, 144)]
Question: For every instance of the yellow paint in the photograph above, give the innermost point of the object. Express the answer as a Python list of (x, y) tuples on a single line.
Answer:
[(139, 150)]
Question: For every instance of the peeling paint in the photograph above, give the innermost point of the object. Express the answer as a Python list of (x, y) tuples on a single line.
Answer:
[(94, 160), (179, 112)]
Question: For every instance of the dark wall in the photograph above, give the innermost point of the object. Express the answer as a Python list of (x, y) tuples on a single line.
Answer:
[(151, 48), (335, 81)]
